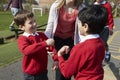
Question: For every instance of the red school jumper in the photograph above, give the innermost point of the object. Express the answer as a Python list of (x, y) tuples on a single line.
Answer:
[(85, 61), (35, 57), (110, 21)]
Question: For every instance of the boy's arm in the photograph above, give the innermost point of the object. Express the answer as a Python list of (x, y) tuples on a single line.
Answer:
[(27, 48), (55, 56), (69, 67), (50, 25), (52, 52), (110, 22)]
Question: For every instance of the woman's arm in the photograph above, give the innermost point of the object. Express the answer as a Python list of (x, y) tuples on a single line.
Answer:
[(50, 24)]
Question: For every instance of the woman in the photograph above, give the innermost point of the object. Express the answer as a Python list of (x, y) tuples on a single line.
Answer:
[(62, 25)]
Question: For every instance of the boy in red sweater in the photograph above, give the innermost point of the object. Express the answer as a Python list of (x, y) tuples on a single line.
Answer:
[(33, 46), (108, 28), (85, 61)]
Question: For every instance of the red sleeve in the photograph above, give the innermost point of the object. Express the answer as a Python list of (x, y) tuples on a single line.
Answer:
[(110, 22), (27, 49), (70, 66), (52, 49), (55, 57)]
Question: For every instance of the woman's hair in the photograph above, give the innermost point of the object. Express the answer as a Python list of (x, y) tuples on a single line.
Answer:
[(95, 16), (21, 16), (62, 2)]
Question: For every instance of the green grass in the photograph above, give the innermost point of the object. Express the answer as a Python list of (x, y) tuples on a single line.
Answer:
[(6, 33), (9, 52), (5, 20)]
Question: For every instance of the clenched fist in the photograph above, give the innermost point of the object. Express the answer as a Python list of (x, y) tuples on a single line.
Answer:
[(50, 42)]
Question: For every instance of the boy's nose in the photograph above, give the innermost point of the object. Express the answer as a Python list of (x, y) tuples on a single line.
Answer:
[(35, 24)]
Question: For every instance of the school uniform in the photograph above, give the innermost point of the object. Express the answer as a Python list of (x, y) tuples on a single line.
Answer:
[(85, 60), (109, 26), (35, 57)]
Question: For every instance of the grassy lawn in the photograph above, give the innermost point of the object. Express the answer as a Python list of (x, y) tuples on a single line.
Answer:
[(6, 19), (9, 52)]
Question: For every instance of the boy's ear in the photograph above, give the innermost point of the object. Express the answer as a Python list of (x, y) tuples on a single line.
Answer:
[(21, 27), (86, 27)]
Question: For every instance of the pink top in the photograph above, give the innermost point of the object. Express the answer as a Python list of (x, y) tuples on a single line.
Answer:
[(66, 24)]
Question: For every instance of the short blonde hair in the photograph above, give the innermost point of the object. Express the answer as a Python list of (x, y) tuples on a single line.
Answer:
[(62, 2)]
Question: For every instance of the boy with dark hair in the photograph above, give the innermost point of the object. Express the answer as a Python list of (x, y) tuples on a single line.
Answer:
[(33, 45), (85, 61), (108, 29)]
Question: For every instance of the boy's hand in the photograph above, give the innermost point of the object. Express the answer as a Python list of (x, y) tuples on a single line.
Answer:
[(55, 65), (50, 42), (50, 53), (63, 50), (111, 32)]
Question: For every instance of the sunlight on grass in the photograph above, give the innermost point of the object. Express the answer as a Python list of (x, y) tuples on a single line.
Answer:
[(6, 33), (9, 53), (6, 19)]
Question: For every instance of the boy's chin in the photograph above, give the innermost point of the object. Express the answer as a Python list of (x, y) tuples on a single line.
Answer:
[(34, 31)]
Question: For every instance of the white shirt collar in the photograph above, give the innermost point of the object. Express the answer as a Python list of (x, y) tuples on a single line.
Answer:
[(27, 34), (103, 2), (91, 36)]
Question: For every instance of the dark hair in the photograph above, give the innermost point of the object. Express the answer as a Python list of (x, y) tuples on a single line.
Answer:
[(22, 16), (78, 2), (95, 16)]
